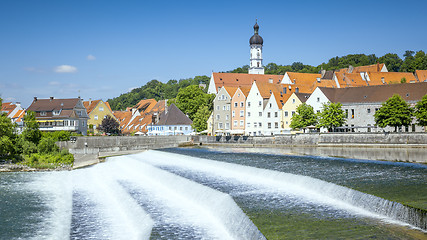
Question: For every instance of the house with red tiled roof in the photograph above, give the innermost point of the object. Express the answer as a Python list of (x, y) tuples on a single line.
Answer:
[(172, 121), (60, 114), (382, 78), (379, 67), (145, 105), (238, 110), (97, 110), (15, 112), (421, 75), (222, 110)]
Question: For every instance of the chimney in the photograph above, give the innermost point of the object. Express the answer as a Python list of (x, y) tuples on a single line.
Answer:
[(166, 106), (51, 98), (323, 73), (90, 101), (35, 99)]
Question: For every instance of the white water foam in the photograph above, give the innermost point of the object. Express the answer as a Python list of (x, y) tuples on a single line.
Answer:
[(308, 188), (188, 203)]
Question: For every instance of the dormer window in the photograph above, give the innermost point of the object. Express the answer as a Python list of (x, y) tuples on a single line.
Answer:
[(56, 112), (43, 113)]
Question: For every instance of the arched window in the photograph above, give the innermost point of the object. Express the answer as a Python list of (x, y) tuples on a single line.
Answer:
[(257, 64)]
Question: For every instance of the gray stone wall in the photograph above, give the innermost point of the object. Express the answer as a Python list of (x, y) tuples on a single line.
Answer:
[(111, 144), (323, 139)]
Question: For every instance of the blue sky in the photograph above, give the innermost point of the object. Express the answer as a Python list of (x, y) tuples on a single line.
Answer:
[(105, 48)]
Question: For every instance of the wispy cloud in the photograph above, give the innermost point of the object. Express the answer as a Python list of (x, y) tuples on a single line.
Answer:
[(65, 69), (90, 57)]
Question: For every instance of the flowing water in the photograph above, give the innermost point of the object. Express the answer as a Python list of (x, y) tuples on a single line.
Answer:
[(200, 193)]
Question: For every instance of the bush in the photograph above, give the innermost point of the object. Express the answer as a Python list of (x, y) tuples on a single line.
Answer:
[(47, 145), (6, 146), (28, 148), (57, 135)]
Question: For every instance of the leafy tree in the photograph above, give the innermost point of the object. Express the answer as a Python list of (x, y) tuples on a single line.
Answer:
[(304, 117), (392, 61), (31, 130), (421, 111), (7, 128), (47, 145), (395, 112), (331, 116), (109, 125), (190, 99), (6, 146), (201, 118)]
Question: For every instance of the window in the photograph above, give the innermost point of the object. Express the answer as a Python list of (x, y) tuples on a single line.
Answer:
[(241, 123), (346, 113), (101, 108), (227, 117), (223, 108), (276, 114), (249, 104), (293, 113), (95, 117), (352, 113), (242, 113), (255, 124), (259, 124), (233, 114), (219, 125), (297, 90), (318, 99), (222, 97), (249, 124), (235, 123), (259, 103), (79, 113), (376, 109), (180, 128), (268, 114), (276, 125), (286, 113), (56, 112), (43, 113), (293, 100), (369, 110), (217, 117), (241, 104), (260, 114), (228, 107), (235, 104), (270, 105), (238, 94), (217, 108), (249, 114), (269, 125)]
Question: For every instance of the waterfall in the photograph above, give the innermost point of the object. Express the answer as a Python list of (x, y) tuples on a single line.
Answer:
[(198, 205), (309, 188)]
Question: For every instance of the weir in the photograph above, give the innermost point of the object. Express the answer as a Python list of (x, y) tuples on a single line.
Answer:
[(305, 187)]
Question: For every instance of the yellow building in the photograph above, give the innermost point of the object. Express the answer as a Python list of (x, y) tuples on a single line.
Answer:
[(97, 111), (290, 108)]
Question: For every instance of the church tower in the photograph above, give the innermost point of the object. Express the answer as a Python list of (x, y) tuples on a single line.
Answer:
[(256, 42)]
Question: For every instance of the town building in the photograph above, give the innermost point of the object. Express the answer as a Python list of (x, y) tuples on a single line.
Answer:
[(222, 110), (290, 107), (238, 110), (171, 122), (256, 42), (361, 103), (16, 113), (60, 114), (97, 110)]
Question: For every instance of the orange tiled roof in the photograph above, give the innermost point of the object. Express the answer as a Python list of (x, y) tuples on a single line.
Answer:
[(7, 107), (230, 90), (380, 78), (138, 124), (123, 117), (350, 79), (243, 79), (368, 68), (19, 116), (145, 105), (159, 107), (90, 105), (307, 82), (422, 75)]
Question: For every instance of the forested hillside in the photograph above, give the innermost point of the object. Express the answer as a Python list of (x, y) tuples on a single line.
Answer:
[(158, 90)]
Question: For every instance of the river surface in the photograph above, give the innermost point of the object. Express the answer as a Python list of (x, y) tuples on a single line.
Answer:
[(216, 193)]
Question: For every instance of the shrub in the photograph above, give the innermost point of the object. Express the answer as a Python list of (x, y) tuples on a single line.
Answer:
[(6, 146), (29, 147), (47, 145)]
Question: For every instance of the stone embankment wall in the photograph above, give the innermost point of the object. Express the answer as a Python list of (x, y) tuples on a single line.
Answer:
[(112, 144), (324, 139)]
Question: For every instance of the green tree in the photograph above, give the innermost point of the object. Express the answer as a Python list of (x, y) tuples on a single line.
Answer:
[(31, 130), (200, 118), (331, 116), (421, 111), (47, 145), (109, 125), (190, 99), (304, 117), (395, 112), (6, 146), (392, 61)]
